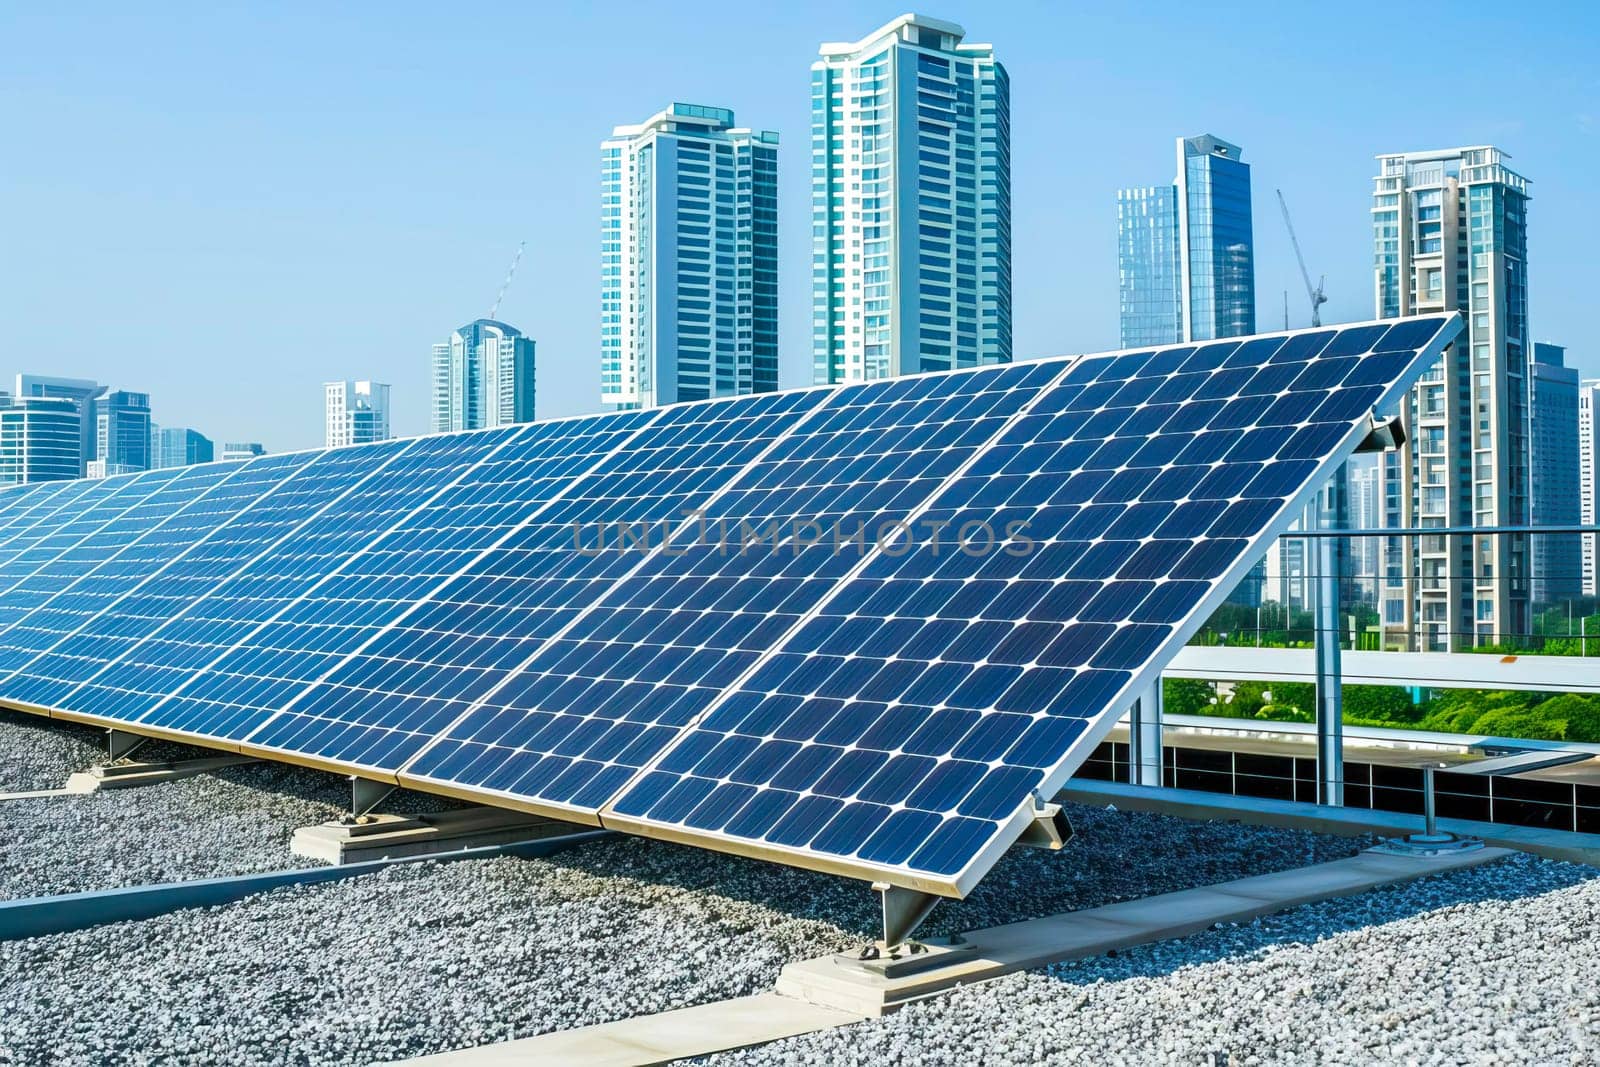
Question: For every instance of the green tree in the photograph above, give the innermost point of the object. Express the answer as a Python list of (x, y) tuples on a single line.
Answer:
[(1187, 696), (1380, 703)]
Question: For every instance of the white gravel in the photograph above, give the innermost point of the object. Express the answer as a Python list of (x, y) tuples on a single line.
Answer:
[(237, 820), (428, 957), (1494, 964)]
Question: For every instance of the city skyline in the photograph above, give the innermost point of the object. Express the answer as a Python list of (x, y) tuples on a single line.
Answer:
[(345, 241)]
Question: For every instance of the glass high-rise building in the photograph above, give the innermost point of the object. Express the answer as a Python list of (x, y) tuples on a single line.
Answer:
[(40, 438), (1450, 233), (482, 376), (1186, 251), (911, 203), (689, 259), (122, 434), (242, 450), (83, 393), (180, 446), (1553, 485), (355, 413)]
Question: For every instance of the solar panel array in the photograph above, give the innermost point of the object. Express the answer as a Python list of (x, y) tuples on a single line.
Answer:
[(858, 629)]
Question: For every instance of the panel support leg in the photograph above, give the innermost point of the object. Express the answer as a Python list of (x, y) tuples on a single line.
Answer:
[(365, 794), (120, 743), (903, 912), (1145, 726), (1323, 555)]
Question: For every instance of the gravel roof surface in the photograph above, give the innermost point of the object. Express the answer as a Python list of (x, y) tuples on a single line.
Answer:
[(1494, 964), (428, 957), (237, 820)]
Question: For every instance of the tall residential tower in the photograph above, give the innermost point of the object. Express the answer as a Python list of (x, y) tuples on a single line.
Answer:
[(482, 376), (1589, 481), (1553, 485), (355, 413), (1450, 233), (689, 259), (910, 203), (1186, 251)]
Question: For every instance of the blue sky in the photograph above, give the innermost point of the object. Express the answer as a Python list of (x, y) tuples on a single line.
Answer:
[(225, 205)]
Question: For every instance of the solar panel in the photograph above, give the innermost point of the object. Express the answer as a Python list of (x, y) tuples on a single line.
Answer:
[(665, 622), (901, 731)]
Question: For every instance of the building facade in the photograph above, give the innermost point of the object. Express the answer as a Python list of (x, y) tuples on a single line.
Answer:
[(1186, 251), (122, 434), (83, 393), (1556, 570), (242, 450), (1450, 233), (40, 439), (482, 376), (911, 203), (689, 259), (1589, 482), (180, 446), (355, 413)]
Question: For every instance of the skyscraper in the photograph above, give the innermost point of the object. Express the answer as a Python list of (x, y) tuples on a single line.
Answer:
[(1553, 485), (1366, 513), (910, 203), (40, 438), (122, 434), (482, 376), (82, 392), (356, 413), (242, 450), (1450, 233), (1186, 251), (1589, 481), (689, 259), (179, 446)]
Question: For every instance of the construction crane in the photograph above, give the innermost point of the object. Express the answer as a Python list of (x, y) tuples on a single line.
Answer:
[(507, 283), (1316, 295)]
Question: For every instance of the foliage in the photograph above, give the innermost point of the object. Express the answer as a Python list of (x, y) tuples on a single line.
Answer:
[(1187, 696), (1381, 703)]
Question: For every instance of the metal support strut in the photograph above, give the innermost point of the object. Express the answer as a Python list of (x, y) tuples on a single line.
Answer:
[(365, 794), (121, 744), (1431, 842), (1145, 723), (903, 912), (1322, 555)]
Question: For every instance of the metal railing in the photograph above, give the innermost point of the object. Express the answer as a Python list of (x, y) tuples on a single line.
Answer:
[(1425, 589)]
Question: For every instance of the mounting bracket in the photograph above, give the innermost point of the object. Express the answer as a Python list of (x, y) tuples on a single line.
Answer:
[(1049, 829), (903, 912), (120, 743), (365, 794), (1385, 436)]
